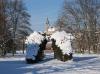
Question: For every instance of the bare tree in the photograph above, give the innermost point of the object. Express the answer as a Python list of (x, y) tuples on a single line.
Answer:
[(19, 20), (82, 16), (3, 31), (14, 24)]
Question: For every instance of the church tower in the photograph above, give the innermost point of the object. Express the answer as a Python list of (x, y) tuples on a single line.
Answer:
[(47, 25)]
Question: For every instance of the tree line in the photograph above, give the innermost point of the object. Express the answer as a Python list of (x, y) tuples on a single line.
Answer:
[(82, 19), (14, 25)]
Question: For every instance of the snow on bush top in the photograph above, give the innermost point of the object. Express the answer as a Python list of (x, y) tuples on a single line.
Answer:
[(63, 40), (33, 41), (35, 37)]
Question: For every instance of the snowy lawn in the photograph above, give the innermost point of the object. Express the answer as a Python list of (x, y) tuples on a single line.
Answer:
[(81, 64)]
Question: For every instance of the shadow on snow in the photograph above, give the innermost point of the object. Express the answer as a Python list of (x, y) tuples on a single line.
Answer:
[(78, 59), (20, 67)]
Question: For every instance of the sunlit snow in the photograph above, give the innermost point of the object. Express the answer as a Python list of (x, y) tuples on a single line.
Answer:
[(32, 45), (63, 40), (81, 64)]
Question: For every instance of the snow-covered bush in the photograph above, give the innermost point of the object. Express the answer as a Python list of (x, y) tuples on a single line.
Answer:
[(35, 44), (62, 45)]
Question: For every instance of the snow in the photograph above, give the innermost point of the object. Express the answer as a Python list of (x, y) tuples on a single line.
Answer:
[(33, 41), (81, 64), (51, 29), (63, 40), (35, 37), (32, 51)]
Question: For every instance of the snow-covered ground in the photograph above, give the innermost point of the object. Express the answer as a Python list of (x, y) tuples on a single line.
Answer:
[(81, 64)]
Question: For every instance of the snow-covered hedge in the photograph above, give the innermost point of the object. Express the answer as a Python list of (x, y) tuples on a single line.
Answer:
[(63, 43), (34, 46)]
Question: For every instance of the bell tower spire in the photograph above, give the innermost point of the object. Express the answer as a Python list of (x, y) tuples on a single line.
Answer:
[(47, 25)]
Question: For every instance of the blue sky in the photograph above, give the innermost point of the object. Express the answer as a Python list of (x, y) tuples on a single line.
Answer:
[(41, 9)]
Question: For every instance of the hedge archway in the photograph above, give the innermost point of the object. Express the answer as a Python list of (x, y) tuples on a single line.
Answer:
[(58, 53)]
